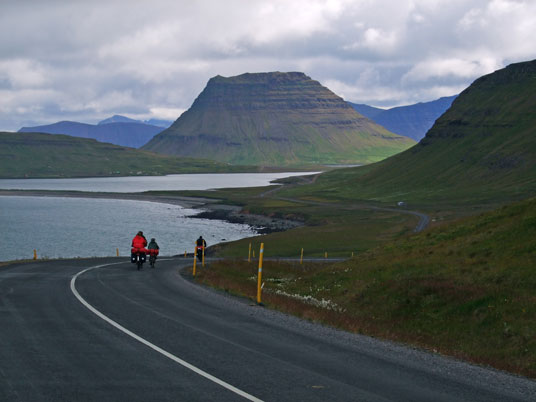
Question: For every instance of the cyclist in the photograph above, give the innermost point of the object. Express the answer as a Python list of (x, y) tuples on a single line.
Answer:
[(139, 242), (153, 251), (201, 244)]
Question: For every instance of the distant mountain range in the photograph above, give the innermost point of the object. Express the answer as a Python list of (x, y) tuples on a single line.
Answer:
[(412, 121), (275, 119), (122, 119), (118, 130), (483, 148)]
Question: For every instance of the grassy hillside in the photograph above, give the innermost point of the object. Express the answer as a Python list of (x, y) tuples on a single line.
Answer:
[(47, 155), (465, 289), (275, 119), (483, 148)]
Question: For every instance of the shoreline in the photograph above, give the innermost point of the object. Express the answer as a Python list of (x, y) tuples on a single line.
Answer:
[(209, 209)]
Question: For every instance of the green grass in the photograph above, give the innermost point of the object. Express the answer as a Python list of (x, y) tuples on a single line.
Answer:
[(338, 234), (49, 155), (337, 229), (464, 289)]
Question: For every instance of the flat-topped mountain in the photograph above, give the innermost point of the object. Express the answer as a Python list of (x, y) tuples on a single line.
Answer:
[(411, 121), (275, 119)]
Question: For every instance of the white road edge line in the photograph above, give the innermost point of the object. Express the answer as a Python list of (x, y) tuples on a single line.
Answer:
[(152, 346)]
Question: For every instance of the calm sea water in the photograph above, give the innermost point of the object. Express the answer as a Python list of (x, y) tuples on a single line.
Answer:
[(78, 227), (147, 183)]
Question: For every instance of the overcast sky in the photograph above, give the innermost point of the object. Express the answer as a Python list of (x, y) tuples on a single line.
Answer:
[(87, 60)]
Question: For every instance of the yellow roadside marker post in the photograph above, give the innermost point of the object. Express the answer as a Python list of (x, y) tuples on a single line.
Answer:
[(253, 253), (35, 254), (195, 260), (184, 253), (249, 253), (117, 252), (301, 257), (259, 276), (325, 254), (352, 254), (203, 258)]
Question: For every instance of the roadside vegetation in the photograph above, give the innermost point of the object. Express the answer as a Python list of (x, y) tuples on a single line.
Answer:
[(339, 234), (464, 289), (339, 230)]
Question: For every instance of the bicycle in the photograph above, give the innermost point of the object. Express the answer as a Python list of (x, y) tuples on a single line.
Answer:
[(153, 253), (138, 258)]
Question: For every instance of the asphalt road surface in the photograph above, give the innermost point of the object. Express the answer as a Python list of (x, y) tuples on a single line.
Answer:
[(111, 333)]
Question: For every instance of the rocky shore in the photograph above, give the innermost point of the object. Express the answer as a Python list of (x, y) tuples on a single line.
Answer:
[(262, 224), (208, 209)]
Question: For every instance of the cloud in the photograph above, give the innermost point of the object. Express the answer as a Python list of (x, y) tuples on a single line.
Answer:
[(22, 73), (90, 60), (451, 67), (375, 95), (166, 113)]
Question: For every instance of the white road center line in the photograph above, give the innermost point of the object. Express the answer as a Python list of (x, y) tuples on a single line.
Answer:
[(149, 344)]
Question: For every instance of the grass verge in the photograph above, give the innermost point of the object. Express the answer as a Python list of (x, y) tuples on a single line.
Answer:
[(464, 289)]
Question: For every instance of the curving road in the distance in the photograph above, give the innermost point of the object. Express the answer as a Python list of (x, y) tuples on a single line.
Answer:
[(423, 222), (98, 330)]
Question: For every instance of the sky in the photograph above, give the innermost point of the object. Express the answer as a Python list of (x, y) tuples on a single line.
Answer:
[(88, 60)]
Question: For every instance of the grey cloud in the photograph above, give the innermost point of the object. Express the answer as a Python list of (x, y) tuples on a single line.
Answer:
[(88, 60)]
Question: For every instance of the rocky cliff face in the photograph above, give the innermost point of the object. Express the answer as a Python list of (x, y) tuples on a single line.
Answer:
[(275, 119)]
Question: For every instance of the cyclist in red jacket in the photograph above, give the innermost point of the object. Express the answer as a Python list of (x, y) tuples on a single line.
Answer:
[(138, 253), (139, 241)]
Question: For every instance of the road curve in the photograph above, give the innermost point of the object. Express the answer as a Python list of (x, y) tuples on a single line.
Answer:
[(54, 348), (423, 222)]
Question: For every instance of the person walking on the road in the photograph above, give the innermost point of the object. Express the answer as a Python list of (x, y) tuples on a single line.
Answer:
[(201, 245)]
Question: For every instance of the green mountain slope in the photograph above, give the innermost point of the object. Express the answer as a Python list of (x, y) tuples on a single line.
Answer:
[(49, 155), (275, 119), (482, 148)]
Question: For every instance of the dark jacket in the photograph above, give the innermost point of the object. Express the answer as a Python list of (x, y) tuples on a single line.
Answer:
[(201, 242), (153, 246)]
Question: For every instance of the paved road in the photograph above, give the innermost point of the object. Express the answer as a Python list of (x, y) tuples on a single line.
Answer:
[(159, 337), (423, 222)]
